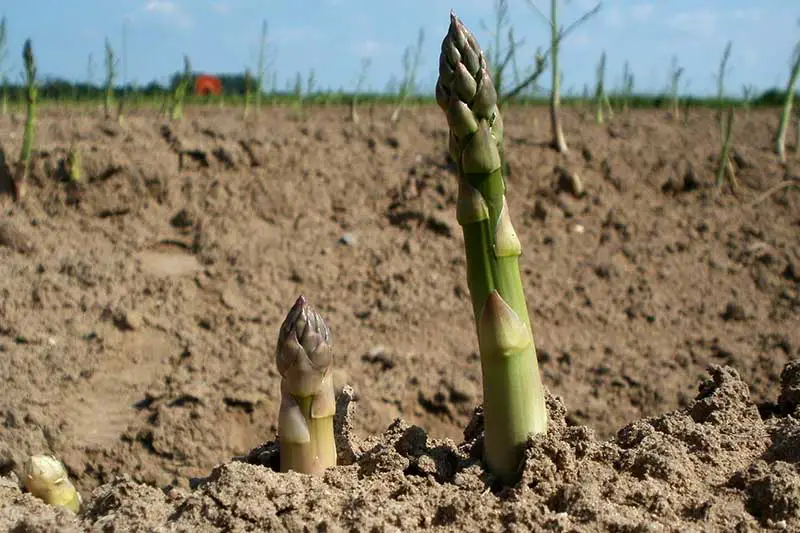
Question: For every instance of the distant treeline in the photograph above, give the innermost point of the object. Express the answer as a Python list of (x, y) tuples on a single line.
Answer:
[(235, 84), (59, 89)]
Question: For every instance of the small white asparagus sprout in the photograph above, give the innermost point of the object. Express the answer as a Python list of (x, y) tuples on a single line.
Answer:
[(46, 478)]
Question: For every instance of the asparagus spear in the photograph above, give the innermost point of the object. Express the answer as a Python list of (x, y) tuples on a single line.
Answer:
[(46, 478), (31, 97), (786, 115), (513, 398), (111, 75), (308, 404)]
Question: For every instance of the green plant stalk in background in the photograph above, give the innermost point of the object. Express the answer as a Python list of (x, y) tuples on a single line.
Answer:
[(248, 91), (31, 96), (411, 60), (180, 90), (600, 89), (124, 93), (723, 68), (298, 93), (724, 156), (3, 76), (365, 63), (748, 92), (513, 397), (559, 142), (627, 87), (262, 49), (308, 404), (111, 75), (786, 114), (675, 76), (311, 82)]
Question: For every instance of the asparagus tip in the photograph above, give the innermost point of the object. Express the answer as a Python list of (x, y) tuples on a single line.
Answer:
[(303, 351), (46, 478), (305, 419)]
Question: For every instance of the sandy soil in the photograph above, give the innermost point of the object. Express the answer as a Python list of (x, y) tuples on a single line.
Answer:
[(138, 316)]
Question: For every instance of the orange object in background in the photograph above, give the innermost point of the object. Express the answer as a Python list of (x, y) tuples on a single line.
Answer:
[(205, 84)]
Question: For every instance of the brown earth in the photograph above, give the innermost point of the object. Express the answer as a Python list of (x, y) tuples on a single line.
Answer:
[(139, 312)]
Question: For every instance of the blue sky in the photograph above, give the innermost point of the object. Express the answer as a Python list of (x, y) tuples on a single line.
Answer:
[(332, 37)]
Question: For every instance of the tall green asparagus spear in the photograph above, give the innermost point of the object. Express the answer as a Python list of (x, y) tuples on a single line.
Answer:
[(31, 97), (308, 404), (786, 114), (513, 397)]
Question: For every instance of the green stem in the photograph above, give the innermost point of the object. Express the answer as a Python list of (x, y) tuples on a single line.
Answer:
[(31, 97), (312, 455), (513, 399), (727, 128), (514, 406), (786, 114)]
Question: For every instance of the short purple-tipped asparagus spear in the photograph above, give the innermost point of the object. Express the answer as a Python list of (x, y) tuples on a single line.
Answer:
[(305, 421)]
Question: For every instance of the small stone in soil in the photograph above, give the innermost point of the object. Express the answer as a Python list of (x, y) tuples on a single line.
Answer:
[(348, 239)]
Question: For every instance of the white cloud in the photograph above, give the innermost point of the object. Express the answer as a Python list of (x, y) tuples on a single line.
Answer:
[(169, 12), (160, 6), (368, 48), (698, 22), (642, 12), (221, 7), (617, 16), (751, 14)]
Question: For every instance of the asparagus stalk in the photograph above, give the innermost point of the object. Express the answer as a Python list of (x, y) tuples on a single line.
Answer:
[(600, 89), (298, 93), (725, 165), (723, 69), (675, 75), (411, 61), (365, 63), (748, 92), (627, 87), (111, 75), (248, 89), (46, 478), (74, 168), (513, 397), (3, 77), (124, 92), (308, 404), (180, 90), (786, 114), (31, 97), (261, 65), (559, 142)]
